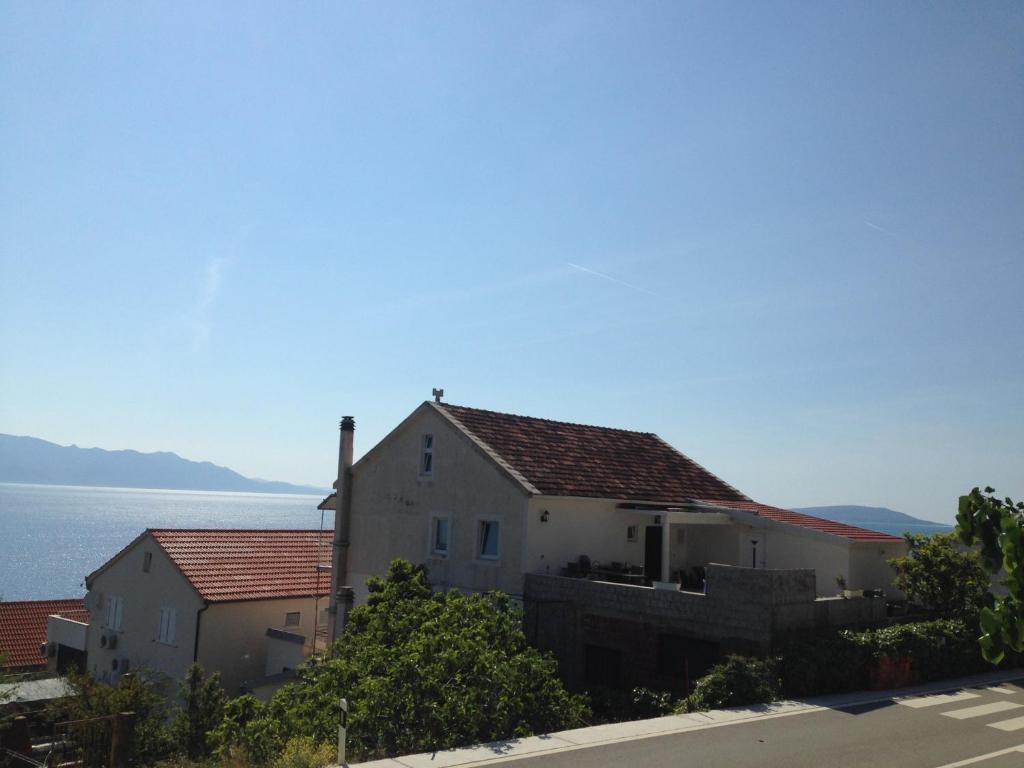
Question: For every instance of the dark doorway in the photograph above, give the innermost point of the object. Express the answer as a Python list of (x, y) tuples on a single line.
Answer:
[(602, 667), (652, 552), (684, 660)]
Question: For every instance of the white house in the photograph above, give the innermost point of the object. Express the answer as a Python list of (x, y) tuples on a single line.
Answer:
[(484, 498), (244, 603)]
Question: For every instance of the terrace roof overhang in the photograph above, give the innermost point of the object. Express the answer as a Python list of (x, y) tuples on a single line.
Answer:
[(683, 513)]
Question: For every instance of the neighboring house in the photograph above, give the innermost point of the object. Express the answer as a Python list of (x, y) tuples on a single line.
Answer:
[(243, 603), (23, 635), (484, 498)]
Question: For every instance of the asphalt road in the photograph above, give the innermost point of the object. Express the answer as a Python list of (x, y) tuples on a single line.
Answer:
[(921, 732)]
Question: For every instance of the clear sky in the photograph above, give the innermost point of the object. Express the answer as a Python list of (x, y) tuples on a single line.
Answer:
[(787, 237)]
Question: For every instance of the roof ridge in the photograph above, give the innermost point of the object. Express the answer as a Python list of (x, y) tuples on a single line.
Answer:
[(548, 421), (238, 530), (48, 600)]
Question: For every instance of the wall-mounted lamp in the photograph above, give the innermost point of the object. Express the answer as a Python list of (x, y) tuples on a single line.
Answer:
[(544, 516)]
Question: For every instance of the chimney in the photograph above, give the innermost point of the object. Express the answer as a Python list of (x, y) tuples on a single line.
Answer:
[(341, 593)]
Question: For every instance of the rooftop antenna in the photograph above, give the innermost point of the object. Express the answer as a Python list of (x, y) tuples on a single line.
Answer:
[(438, 394)]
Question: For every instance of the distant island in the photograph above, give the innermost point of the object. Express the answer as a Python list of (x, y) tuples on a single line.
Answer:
[(876, 519), (31, 460)]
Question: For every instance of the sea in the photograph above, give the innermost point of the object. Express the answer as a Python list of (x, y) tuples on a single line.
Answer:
[(53, 536)]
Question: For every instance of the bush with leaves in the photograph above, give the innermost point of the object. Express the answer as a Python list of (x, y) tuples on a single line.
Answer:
[(844, 660), (138, 692), (940, 577), (737, 682), (998, 525), (610, 705), (424, 671), (201, 712), (304, 752), (247, 733)]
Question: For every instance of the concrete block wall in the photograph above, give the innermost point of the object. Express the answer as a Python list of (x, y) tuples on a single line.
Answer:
[(741, 611)]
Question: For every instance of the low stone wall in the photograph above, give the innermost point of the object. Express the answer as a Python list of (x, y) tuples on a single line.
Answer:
[(741, 611)]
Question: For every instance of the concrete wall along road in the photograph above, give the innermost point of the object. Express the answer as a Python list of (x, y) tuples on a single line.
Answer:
[(393, 503)]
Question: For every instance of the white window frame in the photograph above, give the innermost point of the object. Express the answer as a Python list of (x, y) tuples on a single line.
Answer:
[(478, 544), (427, 454), (434, 522), (168, 627), (115, 612)]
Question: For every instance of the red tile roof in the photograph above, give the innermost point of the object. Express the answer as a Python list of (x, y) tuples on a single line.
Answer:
[(238, 564), (804, 521), (562, 459), (23, 628)]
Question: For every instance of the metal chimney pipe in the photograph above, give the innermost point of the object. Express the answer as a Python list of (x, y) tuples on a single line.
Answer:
[(341, 593)]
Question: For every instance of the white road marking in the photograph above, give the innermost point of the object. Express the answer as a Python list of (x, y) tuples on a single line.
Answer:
[(982, 710), (1004, 689), (1014, 724), (982, 758), (940, 698)]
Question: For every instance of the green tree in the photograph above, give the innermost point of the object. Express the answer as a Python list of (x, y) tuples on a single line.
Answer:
[(425, 671), (998, 526), (138, 692), (202, 711), (936, 575)]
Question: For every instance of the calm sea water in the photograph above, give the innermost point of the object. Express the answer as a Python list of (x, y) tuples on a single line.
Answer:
[(52, 536)]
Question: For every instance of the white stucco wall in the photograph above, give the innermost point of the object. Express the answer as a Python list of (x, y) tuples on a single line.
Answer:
[(392, 507), (143, 595), (787, 546), (869, 568), (578, 526), (233, 636)]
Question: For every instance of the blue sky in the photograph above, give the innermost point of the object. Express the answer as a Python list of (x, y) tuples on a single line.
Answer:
[(785, 236)]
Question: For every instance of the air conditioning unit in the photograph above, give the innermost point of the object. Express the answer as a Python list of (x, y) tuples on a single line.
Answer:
[(108, 639), (120, 666)]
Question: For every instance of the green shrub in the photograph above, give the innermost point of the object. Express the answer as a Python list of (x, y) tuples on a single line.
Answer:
[(303, 752), (247, 734), (841, 661), (609, 705), (736, 682)]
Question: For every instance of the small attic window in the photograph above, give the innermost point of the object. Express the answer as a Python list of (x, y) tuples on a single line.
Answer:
[(147, 562), (427, 456)]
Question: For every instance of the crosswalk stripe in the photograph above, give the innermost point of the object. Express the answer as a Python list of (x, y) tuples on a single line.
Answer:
[(939, 698), (1014, 724), (1004, 689), (982, 709)]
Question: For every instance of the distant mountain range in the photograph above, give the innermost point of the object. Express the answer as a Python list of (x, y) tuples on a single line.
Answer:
[(31, 460), (876, 519)]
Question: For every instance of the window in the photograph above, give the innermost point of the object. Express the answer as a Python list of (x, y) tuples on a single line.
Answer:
[(427, 456), (168, 620), (488, 541), (292, 619), (439, 535), (115, 612), (632, 532), (147, 562)]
